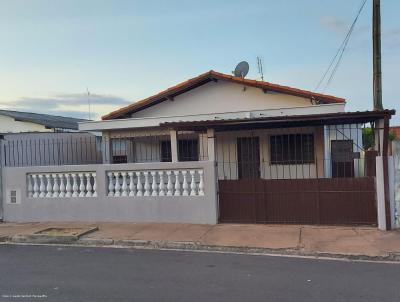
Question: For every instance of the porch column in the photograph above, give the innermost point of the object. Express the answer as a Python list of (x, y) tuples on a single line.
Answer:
[(211, 144), (106, 148), (174, 145)]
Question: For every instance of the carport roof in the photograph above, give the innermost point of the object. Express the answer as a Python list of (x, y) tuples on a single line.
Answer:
[(284, 121)]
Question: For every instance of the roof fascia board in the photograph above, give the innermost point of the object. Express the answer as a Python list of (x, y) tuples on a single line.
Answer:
[(131, 123)]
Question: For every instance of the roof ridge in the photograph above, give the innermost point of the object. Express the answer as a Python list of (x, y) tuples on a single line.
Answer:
[(141, 104)]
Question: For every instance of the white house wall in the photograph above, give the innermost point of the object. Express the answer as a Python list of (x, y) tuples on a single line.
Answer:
[(219, 97), (10, 125)]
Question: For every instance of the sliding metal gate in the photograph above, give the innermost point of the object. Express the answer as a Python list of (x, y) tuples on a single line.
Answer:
[(287, 176), (337, 201)]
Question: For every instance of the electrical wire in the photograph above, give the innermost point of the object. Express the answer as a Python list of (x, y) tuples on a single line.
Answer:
[(339, 53)]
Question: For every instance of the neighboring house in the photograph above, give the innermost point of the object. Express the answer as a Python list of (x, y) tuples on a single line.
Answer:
[(17, 122), (218, 148), (33, 139), (395, 140)]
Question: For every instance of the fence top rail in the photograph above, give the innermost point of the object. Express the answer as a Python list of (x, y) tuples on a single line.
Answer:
[(91, 168)]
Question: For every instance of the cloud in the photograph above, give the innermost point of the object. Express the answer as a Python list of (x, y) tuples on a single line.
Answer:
[(73, 104), (334, 24), (341, 27)]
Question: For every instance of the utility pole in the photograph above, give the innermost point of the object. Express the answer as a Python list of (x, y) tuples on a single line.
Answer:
[(376, 38)]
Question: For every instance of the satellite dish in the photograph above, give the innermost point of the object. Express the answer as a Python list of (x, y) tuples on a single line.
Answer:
[(241, 69)]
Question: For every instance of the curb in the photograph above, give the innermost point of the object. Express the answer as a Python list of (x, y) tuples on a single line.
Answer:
[(44, 239), (188, 246)]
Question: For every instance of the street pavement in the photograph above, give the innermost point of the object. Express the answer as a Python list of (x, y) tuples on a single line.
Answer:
[(67, 273)]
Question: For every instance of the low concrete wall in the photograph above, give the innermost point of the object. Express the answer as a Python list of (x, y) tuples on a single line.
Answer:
[(182, 209)]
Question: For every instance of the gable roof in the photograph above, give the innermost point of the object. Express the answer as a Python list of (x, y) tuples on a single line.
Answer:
[(215, 76), (47, 120)]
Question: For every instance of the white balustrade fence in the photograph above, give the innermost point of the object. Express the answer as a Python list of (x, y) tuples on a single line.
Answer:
[(64, 185), (188, 182)]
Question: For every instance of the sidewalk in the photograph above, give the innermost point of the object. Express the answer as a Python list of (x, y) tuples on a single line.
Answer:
[(291, 239)]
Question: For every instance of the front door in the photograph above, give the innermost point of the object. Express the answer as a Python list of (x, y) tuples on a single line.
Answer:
[(248, 152), (342, 158)]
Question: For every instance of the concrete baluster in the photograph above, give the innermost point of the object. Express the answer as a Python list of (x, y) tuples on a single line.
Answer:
[(124, 185), (193, 189), (162, 184), (75, 192), (201, 183), (89, 185), (139, 184), (110, 184), (185, 184), (56, 186), (81, 185), (177, 184), (30, 187), (154, 186), (62, 185), (49, 187), (117, 185), (146, 184), (131, 184), (94, 175), (68, 186), (35, 186), (170, 186)]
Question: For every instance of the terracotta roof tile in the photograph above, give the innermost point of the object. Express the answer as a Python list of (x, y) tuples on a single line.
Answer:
[(213, 75)]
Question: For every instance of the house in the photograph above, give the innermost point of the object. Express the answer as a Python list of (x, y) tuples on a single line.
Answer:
[(218, 148), (34, 139), (395, 140), (18, 122)]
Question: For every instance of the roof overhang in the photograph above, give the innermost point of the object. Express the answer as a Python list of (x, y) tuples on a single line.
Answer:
[(284, 121)]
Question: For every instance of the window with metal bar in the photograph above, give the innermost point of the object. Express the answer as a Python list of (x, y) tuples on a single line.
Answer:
[(292, 149)]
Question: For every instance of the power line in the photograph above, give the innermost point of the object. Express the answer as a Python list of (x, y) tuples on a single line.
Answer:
[(339, 53)]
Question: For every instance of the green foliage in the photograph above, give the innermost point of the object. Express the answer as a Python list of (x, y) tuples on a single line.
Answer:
[(392, 136), (368, 138)]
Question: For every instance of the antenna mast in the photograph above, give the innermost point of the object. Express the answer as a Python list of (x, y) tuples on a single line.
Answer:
[(260, 68), (88, 100)]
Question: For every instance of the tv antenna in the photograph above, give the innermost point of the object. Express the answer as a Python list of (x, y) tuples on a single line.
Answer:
[(88, 100), (260, 67), (241, 69)]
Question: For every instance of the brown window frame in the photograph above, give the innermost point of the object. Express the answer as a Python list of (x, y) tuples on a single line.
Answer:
[(292, 149)]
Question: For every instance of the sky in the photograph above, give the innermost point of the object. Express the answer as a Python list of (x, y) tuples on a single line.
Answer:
[(52, 51)]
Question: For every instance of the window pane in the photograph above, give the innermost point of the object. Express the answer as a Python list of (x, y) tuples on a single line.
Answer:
[(292, 149)]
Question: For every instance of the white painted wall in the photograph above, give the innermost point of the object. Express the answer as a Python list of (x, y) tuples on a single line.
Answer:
[(228, 162), (9, 125), (176, 209), (222, 96)]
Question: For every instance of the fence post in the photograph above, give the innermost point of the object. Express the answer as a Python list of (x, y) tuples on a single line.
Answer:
[(174, 145), (2, 157), (211, 144), (106, 148), (380, 194)]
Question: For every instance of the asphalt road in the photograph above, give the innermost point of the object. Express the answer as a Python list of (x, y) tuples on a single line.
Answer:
[(51, 273)]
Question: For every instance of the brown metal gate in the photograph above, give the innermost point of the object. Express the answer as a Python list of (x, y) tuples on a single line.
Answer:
[(330, 201)]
